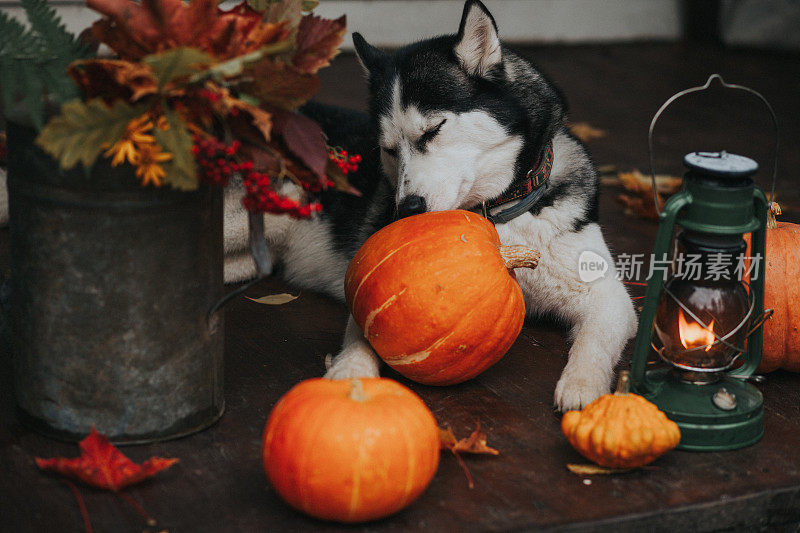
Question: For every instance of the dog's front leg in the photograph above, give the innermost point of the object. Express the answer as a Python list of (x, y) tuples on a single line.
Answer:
[(357, 358), (603, 321)]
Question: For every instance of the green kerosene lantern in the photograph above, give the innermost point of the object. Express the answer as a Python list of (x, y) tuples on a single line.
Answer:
[(701, 318)]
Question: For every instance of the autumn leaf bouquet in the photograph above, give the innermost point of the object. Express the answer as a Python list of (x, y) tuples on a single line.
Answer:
[(198, 94)]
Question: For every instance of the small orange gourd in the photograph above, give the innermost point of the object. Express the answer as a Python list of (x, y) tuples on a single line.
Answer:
[(620, 430), (350, 450), (436, 297)]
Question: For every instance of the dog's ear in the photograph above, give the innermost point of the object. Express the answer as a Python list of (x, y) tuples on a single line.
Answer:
[(478, 46), (370, 57)]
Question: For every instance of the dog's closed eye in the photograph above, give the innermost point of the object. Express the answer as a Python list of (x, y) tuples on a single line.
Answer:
[(429, 135), (390, 151)]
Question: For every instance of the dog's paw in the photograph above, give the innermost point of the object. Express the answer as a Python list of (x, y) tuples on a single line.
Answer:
[(350, 364), (576, 389)]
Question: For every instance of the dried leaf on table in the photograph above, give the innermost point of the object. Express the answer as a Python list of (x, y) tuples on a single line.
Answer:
[(474, 444), (640, 204), (585, 131), (635, 181), (639, 199), (604, 170), (274, 299), (103, 466), (590, 469)]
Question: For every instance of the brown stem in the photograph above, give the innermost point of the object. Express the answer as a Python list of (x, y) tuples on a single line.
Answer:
[(518, 256), (151, 522), (357, 391), (623, 383), (774, 210), (470, 483), (87, 524)]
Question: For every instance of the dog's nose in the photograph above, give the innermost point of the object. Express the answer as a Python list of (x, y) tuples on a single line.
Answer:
[(411, 205)]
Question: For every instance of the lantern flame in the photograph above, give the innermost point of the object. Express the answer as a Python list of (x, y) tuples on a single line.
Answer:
[(693, 335)]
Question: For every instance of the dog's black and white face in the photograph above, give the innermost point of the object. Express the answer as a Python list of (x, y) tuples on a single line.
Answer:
[(459, 116)]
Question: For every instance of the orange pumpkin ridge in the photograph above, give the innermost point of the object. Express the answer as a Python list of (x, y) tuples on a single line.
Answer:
[(620, 430), (433, 296)]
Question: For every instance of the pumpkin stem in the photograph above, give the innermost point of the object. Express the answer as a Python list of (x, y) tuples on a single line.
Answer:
[(518, 256), (774, 210), (357, 391), (623, 383)]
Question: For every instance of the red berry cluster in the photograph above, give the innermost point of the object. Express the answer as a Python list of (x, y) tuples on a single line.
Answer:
[(316, 186), (260, 198), (211, 96), (216, 160), (347, 163), (218, 163)]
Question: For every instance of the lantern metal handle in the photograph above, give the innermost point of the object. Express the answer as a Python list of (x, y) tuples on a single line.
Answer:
[(703, 87)]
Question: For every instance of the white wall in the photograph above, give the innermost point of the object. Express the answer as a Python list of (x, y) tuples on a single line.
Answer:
[(395, 22)]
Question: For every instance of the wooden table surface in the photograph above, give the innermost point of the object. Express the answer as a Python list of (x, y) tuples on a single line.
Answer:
[(219, 484)]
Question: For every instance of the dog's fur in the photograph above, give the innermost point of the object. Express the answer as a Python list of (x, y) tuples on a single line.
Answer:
[(452, 121)]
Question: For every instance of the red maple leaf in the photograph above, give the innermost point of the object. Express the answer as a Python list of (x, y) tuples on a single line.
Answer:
[(103, 466)]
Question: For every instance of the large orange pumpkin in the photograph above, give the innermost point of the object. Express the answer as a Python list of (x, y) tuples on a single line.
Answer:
[(781, 294), (436, 297), (350, 450)]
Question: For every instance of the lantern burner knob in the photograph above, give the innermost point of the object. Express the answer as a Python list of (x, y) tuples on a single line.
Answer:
[(720, 164)]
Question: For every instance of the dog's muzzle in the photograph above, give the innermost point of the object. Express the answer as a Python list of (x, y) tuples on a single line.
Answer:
[(411, 205)]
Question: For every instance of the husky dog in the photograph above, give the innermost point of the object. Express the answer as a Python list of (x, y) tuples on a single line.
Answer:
[(455, 122)]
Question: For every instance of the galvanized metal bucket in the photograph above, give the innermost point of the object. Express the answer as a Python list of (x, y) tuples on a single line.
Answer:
[(111, 286)]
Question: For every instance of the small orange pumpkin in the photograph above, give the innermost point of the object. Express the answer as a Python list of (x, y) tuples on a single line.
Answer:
[(436, 297), (781, 292), (620, 430), (350, 450)]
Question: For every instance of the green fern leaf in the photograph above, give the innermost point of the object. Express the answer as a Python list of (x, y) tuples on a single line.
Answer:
[(15, 39), (55, 38), (33, 61)]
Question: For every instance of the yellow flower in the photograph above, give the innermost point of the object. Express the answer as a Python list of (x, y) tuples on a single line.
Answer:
[(148, 164), (126, 148), (121, 150), (137, 129)]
